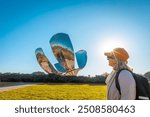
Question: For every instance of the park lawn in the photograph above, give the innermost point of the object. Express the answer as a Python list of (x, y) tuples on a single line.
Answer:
[(57, 92)]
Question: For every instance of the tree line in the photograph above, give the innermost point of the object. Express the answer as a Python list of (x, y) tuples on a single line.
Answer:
[(147, 75), (17, 77), (42, 77)]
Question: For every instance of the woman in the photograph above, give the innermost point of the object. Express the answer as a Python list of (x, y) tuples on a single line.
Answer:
[(117, 59)]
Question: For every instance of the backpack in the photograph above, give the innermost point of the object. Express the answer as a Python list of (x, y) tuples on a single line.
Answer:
[(142, 86)]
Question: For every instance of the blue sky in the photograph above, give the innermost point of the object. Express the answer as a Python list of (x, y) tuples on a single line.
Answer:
[(93, 25)]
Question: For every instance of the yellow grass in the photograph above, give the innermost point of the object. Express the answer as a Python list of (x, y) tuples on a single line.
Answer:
[(57, 92)]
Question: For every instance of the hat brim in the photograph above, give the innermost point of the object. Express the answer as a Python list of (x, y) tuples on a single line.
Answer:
[(108, 54)]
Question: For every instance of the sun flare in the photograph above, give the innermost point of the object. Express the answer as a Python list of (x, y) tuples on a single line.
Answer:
[(109, 44)]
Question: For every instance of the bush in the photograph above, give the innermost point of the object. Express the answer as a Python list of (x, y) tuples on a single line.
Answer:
[(17, 77)]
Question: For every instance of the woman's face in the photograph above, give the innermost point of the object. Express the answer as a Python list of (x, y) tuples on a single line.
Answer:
[(111, 61)]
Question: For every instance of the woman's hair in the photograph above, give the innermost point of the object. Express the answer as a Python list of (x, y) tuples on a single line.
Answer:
[(121, 65)]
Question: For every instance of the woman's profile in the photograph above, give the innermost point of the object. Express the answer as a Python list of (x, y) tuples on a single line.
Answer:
[(118, 59)]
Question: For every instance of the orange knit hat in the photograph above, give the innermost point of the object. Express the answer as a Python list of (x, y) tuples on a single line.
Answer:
[(119, 53)]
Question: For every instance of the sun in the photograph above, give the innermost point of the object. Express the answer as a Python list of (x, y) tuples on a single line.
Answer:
[(108, 45)]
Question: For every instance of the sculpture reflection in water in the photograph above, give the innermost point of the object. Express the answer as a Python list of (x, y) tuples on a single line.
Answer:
[(63, 51)]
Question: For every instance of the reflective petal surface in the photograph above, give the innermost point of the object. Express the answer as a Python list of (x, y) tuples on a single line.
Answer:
[(44, 62), (81, 57), (63, 50), (59, 67)]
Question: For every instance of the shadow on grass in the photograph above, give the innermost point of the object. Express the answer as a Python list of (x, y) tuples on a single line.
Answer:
[(9, 84), (92, 84)]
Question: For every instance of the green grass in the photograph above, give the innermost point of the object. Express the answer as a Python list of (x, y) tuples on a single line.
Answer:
[(57, 92)]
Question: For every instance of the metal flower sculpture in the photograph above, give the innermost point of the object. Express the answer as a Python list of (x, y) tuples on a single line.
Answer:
[(63, 51)]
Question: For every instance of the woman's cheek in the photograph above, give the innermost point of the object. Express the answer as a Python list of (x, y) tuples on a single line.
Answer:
[(112, 62)]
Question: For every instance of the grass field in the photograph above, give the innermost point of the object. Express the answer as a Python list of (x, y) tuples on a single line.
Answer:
[(57, 92)]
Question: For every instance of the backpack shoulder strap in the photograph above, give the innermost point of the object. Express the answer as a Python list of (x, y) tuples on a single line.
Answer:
[(117, 81)]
